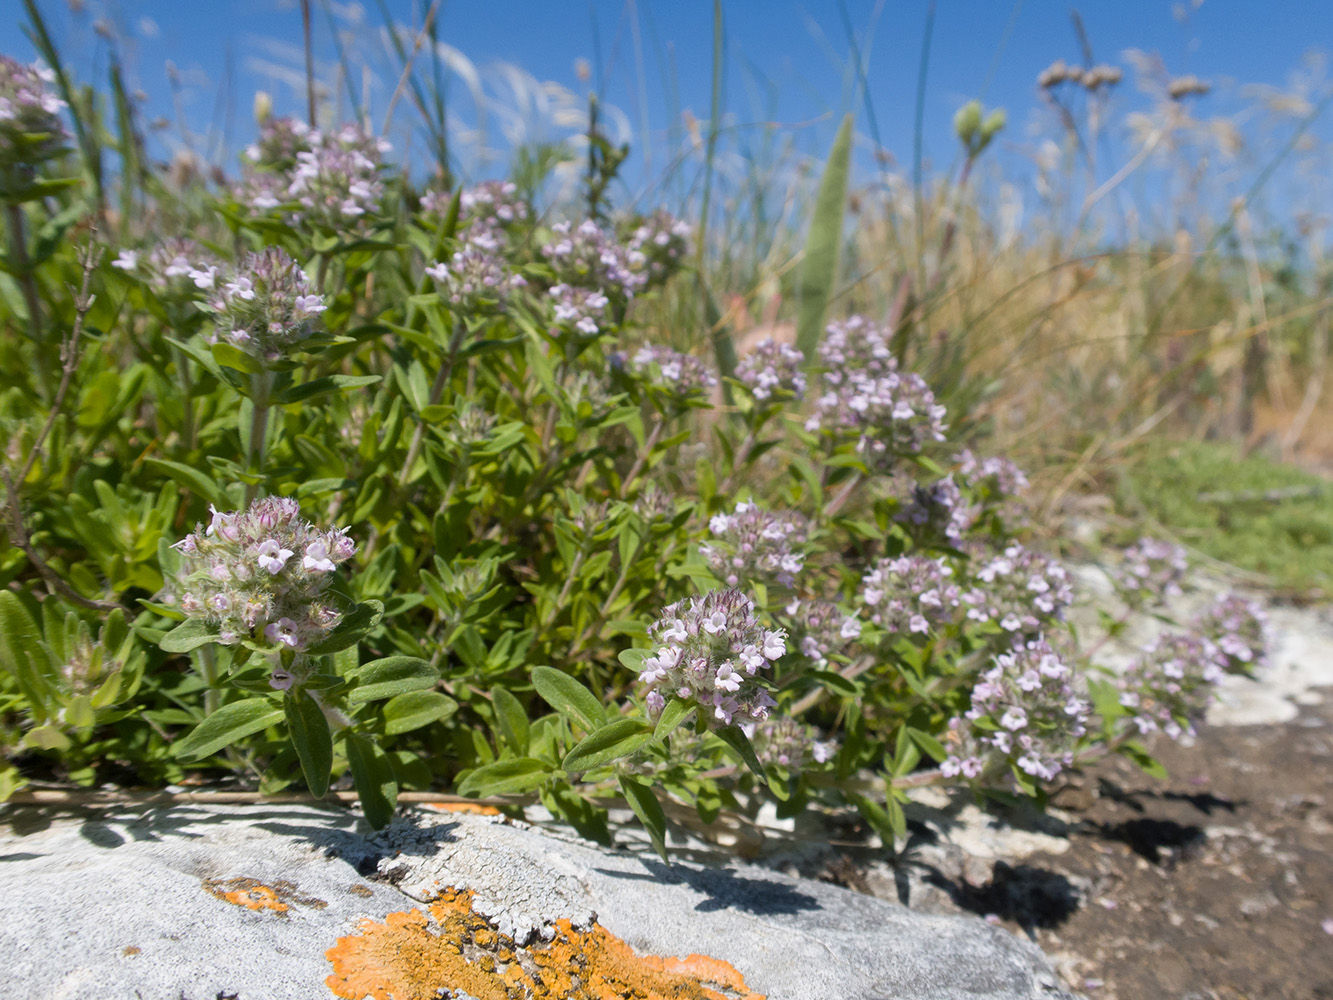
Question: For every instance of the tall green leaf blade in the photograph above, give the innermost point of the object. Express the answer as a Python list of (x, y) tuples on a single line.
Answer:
[(312, 739), (227, 725), (201, 484), (511, 718), (819, 268), (641, 799), (735, 738), (372, 773)]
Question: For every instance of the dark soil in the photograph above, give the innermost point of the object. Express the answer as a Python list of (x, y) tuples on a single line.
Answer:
[(1216, 882)]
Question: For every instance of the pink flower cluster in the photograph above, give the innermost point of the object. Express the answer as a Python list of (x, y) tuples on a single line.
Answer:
[(773, 368), (1150, 571), (890, 416), (1172, 682), (756, 546), (1020, 590), (784, 742), (261, 574), (476, 278), (710, 651), (856, 345), (659, 245), (682, 377), (998, 485), (912, 593), (30, 128), (586, 256), (267, 308), (334, 177), (1239, 629), (938, 512), (821, 629), (1024, 711), (177, 269)]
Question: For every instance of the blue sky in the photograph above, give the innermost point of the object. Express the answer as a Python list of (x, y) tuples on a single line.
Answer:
[(788, 61)]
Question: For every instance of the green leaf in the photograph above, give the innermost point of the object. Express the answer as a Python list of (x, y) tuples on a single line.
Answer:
[(505, 777), (568, 697), (393, 675), (1151, 765), (641, 799), (231, 356), (322, 386), (611, 742), (819, 268), (414, 709), (632, 659), (189, 635), (673, 716), (511, 718), (198, 483), (733, 737), (227, 725), (372, 773), (932, 747), (361, 620), (312, 739)]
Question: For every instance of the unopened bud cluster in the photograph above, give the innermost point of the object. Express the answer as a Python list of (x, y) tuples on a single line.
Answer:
[(784, 742), (752, 545), (710, 651), (268, 307), (1024, 711), (912, 593), (261, 574), (1020, 590), (773, 368), (1091, 78)]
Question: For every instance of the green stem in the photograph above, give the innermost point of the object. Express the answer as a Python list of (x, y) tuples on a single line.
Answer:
[(208, 670), (260, 385), (187, 397), (18, 245)]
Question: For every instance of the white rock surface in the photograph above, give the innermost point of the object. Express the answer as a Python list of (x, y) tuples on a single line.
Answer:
[(118, 906)]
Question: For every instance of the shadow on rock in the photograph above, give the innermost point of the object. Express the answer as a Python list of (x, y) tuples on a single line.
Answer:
[(726, 888), (1162, 841), (1029, 896)]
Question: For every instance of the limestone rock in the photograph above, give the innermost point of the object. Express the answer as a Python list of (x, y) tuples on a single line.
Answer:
[(207, 902)]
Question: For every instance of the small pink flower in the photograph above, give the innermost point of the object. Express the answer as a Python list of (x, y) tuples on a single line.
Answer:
[(272, 556)]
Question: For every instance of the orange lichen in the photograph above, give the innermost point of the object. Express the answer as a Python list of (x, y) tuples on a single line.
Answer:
[(475, 808), (130, 950), (255, 895), (412, 955)]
